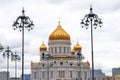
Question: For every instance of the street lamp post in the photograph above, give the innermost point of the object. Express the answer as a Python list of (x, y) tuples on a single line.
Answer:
[(1, 48), (47, 56), (80, 57), (15, 58), (47, 68), (23, 22), (92, 20), (8, 53)]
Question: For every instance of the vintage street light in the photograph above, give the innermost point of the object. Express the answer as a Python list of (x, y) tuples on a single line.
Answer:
[(1, 48), (8, 53), (47, 56), (23, 22), (92, 20), (80, 57), (15, 58)]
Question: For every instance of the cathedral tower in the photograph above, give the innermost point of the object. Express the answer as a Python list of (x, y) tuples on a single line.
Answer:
[(59, 42)]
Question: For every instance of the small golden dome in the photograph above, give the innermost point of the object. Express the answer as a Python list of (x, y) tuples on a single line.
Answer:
[(77, 47), (73, 52), (59, 34), (43, 47)]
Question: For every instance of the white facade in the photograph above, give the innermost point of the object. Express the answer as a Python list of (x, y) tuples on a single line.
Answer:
[(57, 63), (98, 74), (3, 75), (59, 70)]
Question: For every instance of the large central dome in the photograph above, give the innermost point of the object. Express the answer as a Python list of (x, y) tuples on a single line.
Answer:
[(59, 34)]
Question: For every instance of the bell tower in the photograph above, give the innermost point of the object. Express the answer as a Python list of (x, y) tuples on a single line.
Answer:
[(43, 51)]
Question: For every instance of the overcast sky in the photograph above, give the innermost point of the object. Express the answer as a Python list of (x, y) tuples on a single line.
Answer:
[(45, 14)]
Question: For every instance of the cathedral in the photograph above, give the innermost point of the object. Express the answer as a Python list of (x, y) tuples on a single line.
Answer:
[(58, 61)]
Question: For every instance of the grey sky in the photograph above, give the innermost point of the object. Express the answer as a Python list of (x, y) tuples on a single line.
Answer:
[(45, 13)]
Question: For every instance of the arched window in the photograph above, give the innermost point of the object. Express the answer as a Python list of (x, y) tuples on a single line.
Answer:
[(59, 49), (55, 49), (64, 50), (67, 49)]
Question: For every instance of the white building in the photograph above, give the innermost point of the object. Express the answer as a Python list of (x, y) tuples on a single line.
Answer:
[(58, 61), (3, 75), (115, 71), (98, 73)]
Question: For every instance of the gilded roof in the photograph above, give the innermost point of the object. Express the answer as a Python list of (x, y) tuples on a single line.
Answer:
[(59, 34), (43, 47), (77, 47), (73, 52)]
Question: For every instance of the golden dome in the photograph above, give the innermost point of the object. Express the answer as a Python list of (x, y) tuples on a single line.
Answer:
[(59, 34), (77, 47), (43, 47), (73, 52)]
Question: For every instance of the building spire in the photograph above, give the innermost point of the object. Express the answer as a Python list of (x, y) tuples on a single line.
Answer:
[(91, 8), (59, 20), (23, 12), (43, 42), (77, 41)]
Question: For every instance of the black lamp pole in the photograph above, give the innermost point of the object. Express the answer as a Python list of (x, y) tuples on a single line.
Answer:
[(15, 58), (92, 20), (23, 22), (80, 57), (1, 48), (8, 53), (47, 56)]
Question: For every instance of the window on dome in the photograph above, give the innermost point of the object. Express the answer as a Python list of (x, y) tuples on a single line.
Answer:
[(64, 49), (67, 49), (59, 49), (55, 49)]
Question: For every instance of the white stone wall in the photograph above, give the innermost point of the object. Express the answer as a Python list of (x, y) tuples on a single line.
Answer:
[(57, 67)]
